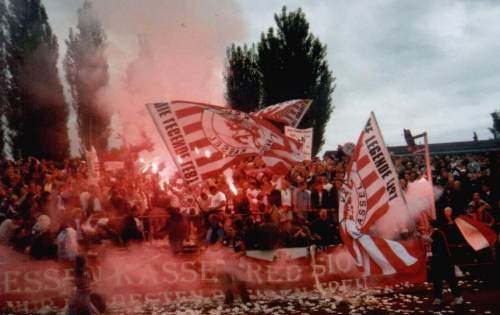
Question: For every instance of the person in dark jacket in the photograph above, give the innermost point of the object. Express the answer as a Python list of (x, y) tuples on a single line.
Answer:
[(319, 197), (177, 230), (132, 227), (442, 267), (267, 234), (232, 276), (324, 231)]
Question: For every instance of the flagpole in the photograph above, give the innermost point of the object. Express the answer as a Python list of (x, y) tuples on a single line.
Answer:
[(428, 170), (413, 148)]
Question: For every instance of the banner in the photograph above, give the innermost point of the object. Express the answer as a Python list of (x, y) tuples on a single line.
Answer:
[(110, 166), (304, 137), (206, 139), (289, 113), (153, 276), (371, 189)]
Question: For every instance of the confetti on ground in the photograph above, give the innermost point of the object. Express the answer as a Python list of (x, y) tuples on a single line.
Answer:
[(403, 299)]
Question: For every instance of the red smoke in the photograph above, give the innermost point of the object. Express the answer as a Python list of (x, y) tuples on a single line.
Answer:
[(164, 50)]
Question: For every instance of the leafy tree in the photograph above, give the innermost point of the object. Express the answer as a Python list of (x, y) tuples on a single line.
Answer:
[(87, 72), (291, 64), (3, 74), (495, 130), (243, 79), (37, 114)]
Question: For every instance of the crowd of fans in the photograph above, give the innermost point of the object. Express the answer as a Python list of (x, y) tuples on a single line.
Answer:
[(56, 210)]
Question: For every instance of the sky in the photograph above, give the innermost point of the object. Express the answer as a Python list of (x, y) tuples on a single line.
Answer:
[(424, 65)]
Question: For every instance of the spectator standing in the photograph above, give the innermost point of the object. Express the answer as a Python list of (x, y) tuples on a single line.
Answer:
[(324, 231), (442, 267), (218, 200), (301, 197)]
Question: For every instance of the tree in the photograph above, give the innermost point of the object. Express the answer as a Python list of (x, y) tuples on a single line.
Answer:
[(495, 130), (3, 75), (243, 79), (37, 113), (291, 64), (87, 72)]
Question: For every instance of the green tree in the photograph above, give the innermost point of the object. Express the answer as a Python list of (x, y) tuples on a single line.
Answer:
[(87, 72), (3, 75), (291, 64), (37, 114), (495, 130), (243, 79)]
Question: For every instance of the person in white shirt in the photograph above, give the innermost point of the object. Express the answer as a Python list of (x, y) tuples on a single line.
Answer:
[(252, 194), (218, 199), (175, 194), (286, 194)]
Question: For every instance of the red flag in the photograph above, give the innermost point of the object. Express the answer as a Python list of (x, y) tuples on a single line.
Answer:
[(370, 190), (206, 139), (372, 185), (289, 113), (476, 233)]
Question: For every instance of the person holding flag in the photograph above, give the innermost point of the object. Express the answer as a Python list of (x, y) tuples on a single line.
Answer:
[(370, 193)]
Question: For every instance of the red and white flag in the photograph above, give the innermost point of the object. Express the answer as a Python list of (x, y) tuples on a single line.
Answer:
[(206, 139), (476, 233), (289, 113), (371, 189), (372, 185)]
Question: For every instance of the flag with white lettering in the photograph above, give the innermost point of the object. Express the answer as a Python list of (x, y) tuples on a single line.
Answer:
[(206, 139), (371, 188), (289, 113)]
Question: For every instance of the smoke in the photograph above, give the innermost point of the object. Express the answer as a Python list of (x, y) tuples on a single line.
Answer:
[(420, 196), (160, 51)]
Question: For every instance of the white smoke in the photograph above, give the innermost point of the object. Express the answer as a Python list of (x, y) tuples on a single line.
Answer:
[(420, 196)]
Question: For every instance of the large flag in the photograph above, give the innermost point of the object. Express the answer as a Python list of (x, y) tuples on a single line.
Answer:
[(372, 185), (371, 188), (206, 139), (476, 233), (289, 113)]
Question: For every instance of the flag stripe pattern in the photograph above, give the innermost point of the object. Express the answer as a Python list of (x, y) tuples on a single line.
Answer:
[(204, 139), (476, 233), (289, 113), (370, 189)]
